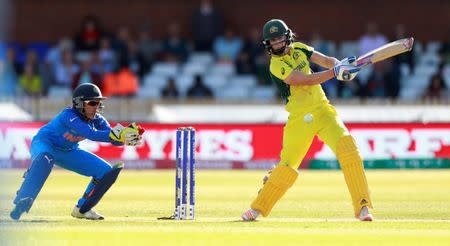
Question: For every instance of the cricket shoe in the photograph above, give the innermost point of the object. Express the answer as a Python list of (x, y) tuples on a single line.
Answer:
[(89, 215), (22, 206), (250, 215), (365, 215)]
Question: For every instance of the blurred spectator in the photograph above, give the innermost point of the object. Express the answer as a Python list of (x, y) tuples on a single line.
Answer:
[(135, 59), (106, 55), (199, 90), (88, 38), (258, 56), (391, 79), (207, 25), (437, 89), (174, 48), (349, 89), (121, 83), (322, 46), (54, 55), (120, 42), (147, 46), (86, 75), (96, 64), (372, 39), (170, 91), (254, 47), (31, 82), (227, 47), (8, 76), (11, 57), (243, 63), (405, 58), (31, 59), (66, 69), (444, 51), (319, 44), (39, 69), (384, 81)]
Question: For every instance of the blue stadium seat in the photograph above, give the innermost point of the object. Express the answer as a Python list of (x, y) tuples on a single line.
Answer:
[(41, 49)]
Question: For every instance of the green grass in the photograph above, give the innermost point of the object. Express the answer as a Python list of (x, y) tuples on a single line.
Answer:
[(411, 208)]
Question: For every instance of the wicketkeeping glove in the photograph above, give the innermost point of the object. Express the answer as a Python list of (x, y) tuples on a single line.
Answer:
[(130, 135)]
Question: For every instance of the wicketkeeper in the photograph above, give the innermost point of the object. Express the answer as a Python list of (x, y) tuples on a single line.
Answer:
[(310, 114), (57, 143)]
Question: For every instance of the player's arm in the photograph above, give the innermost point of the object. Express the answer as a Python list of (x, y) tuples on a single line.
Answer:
[(343, 70), (299, 78), (323, 60), (103, 124), (76, 124)]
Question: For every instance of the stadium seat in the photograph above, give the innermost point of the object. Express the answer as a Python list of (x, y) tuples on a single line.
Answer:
[(165, 69), (2, 51), (247, 81), (425, 70), (20, 54), (41, 48), (233, 93), (194, 68), (59, 91), (404, 69), (433, 47), (183, 83), (215, 81), (427, 58), (414, 86), (205, 58), (155, 80), (264, 93), (224, 69), (149, 92)]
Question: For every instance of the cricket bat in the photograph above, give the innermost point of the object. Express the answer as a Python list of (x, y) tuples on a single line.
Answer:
[(386, 51)]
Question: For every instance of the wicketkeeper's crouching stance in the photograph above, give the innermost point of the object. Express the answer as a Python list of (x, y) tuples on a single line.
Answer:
[(310, 114), (57, 143)]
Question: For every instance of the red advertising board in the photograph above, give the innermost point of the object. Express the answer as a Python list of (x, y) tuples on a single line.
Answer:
[(244, 145)]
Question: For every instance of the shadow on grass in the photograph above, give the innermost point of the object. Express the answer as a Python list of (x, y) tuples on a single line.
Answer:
[(35, 221), (243, 221)]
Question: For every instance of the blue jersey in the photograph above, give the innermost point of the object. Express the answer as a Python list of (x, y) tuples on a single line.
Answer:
[(70, 127)]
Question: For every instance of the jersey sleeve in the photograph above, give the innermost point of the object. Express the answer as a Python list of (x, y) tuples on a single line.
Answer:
[(308, 50), (103, 124), (75, 123), (280, 70)]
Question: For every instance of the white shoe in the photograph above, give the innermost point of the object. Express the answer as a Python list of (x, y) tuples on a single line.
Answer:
[(250, 215), (90, 215), (365, 215)]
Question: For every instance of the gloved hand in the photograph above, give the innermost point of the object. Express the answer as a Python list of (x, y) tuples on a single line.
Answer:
[(346, 69), (133, 140), (130, 135)]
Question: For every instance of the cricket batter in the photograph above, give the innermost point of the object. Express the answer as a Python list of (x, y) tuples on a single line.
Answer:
[(310, 114), (57, 143)]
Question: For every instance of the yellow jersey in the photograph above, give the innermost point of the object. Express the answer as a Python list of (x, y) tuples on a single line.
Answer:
[(298, 97)]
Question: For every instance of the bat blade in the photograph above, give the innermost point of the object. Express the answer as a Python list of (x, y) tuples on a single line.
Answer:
[(386, 51)]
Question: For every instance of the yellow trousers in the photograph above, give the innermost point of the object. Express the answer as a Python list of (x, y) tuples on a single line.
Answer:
[(300, 130), (298, 134), (324, 122)]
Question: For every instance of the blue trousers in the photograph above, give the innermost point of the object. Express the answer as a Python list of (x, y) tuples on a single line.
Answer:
[(77, 160)]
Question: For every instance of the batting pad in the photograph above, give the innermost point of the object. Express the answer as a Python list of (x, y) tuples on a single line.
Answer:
[(352, 166), (280, 180)]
